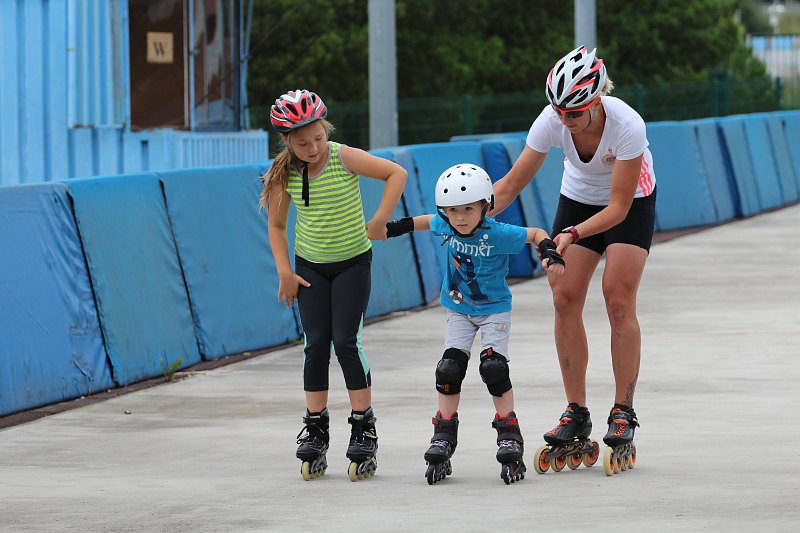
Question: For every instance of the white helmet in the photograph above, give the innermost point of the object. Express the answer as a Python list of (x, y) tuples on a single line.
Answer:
[(576, 79), (463, 184)]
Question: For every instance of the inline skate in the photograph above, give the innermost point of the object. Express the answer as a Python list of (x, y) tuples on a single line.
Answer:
[(443, 446), (363, 445), (621, 452), (510, 447), (568, 444), (313, 442)]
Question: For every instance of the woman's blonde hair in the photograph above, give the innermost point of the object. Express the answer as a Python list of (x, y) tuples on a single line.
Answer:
[(608, 87), (277, 177)]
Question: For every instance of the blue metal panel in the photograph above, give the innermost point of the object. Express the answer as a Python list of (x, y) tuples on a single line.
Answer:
[(55, 101), (136, 275), (51, 348), (94, 60), (10, 64)]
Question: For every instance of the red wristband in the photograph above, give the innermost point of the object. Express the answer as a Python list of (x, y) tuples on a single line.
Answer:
[(572, 230)]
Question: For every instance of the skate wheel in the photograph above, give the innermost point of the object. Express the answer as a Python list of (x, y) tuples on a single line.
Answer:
[(608, 455), (352, 472), (505, 473), (574, 461), (558, 462), (430, 474), (304, 470), (541, 459), (590, 457), (618, 466), (632, 461)]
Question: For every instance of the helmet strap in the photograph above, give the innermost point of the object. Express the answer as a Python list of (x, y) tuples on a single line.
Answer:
[(305, 183)]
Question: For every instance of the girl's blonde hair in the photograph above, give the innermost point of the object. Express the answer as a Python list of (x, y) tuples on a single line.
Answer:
[(277, 177)]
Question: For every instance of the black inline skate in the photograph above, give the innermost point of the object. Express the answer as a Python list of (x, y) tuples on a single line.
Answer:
[(510, 447), (313, 442), (443, 446), (568, 444), (621, 452), (363, 445)]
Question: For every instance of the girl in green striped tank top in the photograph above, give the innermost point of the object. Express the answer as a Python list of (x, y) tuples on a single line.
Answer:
[(331, 278)]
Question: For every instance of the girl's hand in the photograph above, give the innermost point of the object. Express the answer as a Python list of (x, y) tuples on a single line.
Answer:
[(288, 288), (376, 229)]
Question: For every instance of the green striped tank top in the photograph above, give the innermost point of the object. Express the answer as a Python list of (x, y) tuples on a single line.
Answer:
[(332, 227)]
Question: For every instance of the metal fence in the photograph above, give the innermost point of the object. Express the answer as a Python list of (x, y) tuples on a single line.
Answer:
[(437, 119)]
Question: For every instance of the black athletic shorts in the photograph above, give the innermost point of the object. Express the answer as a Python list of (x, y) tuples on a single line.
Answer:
[(636, 229)]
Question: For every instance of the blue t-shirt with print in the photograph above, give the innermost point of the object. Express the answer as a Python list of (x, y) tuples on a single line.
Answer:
[(477, 266)]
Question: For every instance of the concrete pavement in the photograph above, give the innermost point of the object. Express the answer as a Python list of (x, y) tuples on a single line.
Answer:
[(717, 399)]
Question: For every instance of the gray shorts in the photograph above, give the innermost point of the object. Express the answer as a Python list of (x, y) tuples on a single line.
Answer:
[(461, 329)]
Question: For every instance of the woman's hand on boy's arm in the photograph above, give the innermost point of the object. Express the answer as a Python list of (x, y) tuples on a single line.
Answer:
[(551, 260)]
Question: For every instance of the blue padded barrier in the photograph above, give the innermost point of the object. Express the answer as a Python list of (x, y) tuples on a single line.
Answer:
[(547, 184), (51, 347), (684, 198), (430, 161), (425, 255), (489, 136), (717, 168), (739, 156), (140, 293), (395, 279), (224, 251), (783, 158), (498, 164), (530, 203), (765, 170), (791, 127)]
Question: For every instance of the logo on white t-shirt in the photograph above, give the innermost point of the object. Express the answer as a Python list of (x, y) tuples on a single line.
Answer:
[(609, 159)]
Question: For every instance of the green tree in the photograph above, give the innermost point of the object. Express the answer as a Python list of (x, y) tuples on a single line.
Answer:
[(450, 48)]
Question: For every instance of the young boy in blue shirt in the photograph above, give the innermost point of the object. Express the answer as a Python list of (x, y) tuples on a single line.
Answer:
[(477, 297)]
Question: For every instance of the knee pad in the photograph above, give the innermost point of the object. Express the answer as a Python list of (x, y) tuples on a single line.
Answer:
[(450, 371), (494, 372)]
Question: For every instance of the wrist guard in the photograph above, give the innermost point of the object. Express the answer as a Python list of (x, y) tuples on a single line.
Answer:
[(395, 228), (547, 249)]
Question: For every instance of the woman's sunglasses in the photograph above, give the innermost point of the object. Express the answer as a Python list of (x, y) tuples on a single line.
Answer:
[(575, 112)]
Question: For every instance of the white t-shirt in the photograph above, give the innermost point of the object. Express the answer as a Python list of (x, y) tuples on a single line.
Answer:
[(624, 137)]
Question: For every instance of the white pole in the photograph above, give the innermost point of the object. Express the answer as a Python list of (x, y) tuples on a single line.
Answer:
[(382, 74)]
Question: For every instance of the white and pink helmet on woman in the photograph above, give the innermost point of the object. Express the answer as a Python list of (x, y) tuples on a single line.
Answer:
[(576, 80)]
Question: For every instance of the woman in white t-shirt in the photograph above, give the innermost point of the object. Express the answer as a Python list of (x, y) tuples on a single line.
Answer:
[(607, 206)]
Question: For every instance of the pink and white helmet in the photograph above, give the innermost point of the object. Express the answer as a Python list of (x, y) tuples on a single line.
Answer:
[(296, 109), (576, 80)]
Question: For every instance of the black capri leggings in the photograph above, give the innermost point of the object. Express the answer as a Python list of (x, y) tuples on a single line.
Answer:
[(332, 312)]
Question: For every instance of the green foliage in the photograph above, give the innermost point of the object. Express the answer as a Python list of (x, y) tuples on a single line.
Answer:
[(169, 370), (447, 49)]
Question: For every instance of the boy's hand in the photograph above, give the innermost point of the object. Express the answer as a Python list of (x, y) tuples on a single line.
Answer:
[(551, 260)]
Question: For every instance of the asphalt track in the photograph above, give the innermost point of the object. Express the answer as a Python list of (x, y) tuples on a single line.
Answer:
[(214, 451)]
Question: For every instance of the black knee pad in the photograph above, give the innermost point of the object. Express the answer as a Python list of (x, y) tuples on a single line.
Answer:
[(450, 371), (494, 372)]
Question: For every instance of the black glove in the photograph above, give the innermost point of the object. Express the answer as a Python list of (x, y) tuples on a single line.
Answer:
[(547, 250), (395, 228)]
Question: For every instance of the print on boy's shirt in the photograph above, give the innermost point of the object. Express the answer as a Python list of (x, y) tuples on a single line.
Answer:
[(475, 269), (463, 280)]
